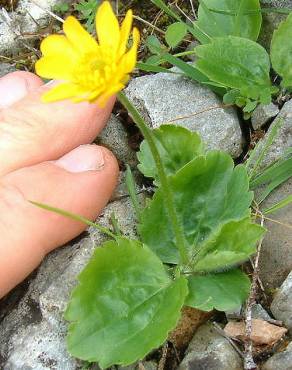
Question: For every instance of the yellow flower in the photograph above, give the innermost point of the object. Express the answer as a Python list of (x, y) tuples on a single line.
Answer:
[(89, 70)]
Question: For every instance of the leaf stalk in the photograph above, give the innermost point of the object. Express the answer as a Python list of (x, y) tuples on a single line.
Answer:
[(166, 188)]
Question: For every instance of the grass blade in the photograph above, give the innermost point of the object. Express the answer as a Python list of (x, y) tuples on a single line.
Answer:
[(75, 217), (283, 203), (130, 182)]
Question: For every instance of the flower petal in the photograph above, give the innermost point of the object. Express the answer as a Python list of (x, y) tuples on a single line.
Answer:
[(129, 60), (125, 32), (102, 99), (57, 66), (107, 27), (57, 44), (79, 38), (62, 91)]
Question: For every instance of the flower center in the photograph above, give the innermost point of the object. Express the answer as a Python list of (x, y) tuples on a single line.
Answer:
[(94, 70)]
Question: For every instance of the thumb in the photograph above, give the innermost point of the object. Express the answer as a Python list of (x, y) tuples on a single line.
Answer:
[(80, 182)]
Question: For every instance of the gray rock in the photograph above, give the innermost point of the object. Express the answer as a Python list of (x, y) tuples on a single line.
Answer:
[(32, 334), (262, 114), (27, 19), (283, 141), (164, 97), (258, 312), (276, 257), (280, 361), (277, 3), (6, 68), (210, 350), (145, 365), (281, 306), (115, 137)]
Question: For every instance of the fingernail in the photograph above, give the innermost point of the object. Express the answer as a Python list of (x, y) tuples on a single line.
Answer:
[(84, 158)]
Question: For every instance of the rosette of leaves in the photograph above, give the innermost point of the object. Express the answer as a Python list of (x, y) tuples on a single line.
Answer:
[(130, 295)]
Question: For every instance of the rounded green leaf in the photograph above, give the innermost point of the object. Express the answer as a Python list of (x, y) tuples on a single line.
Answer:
[(236, 63), (230, 245), (124, 305), (281, 51), (175, 33), (177, 146), (234, 17), (225, 291), (208, 193)]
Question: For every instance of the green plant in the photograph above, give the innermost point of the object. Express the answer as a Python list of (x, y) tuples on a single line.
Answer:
[(229, 60), (87, 10), (61, 8), (194, 233)]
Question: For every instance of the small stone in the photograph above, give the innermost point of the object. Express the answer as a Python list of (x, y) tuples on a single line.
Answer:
[(211, 351), (258, 312), (114, 137), (6, 68), (282, 304), (280, 361), (262, 332), (166, 97), (262, 114)]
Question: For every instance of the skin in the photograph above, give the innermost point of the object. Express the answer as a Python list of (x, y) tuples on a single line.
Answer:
[(46, 155)]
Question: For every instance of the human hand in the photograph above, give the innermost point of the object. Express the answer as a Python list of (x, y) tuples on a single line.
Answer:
[(41, 160)]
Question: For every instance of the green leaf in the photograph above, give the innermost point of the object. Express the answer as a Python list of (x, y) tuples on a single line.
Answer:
[(236, 63), (124, 305), (232, 244), (177, 146), (208, 193), (152, 68), (154, 45), (231, 96), (244, 20), (223, 292), (154, 60), (175, 33), (281, 51), (283, 203), (250, 106)]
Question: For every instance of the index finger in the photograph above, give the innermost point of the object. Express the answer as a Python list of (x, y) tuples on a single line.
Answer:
[(32, 131)]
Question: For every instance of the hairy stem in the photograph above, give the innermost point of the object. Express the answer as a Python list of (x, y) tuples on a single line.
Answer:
[(166, 189)]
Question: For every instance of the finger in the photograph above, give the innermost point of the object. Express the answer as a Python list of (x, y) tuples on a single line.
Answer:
[(16, 85), (32, 132), (80, 182)]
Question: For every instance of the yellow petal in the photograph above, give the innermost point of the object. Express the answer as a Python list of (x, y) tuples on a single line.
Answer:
[(129, 60), (107, 27), (57, 44), (78, 37), (62, 91), (57, 67), (102, 100), (125, 32)]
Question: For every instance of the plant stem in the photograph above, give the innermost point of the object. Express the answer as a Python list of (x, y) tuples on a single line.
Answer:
[(165, 186)]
